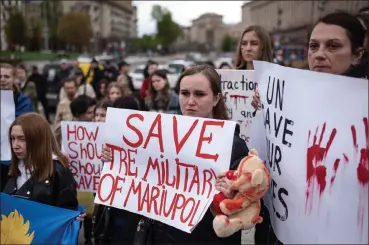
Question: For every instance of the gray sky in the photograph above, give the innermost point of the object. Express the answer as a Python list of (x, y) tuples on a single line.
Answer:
[(184, 12)]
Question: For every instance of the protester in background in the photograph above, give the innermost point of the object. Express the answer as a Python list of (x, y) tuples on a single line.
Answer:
[(210, 63), (160, 97), (63, 73), (255, 44), (101, 93), (110, 72), (22, 105), (82, 88), (41, 88), (200, 96), (63, 112), (101, 109), (149, 69), (96, 73), (34, 174), (123, 80), (225, 66), (124, 69), (114, 91), (27, 87)]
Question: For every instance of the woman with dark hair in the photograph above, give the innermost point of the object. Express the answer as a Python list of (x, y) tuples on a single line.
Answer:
[(335, 47), (149, 69), (200, 96), (225, 65), (160, 97)]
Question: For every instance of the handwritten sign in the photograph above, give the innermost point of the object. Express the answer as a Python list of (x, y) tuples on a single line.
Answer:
[(7, 118), (83, 143), (238, 87), (164, 166), (317, 154)]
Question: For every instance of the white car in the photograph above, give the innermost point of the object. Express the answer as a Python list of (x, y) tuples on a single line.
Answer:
[(138, 77), (178, 65)]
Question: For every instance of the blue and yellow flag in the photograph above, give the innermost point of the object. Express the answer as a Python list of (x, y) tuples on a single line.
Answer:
[(29, 222)]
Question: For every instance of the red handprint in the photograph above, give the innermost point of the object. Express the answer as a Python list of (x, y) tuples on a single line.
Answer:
[(362, 173), (314, 159), (363, 167)]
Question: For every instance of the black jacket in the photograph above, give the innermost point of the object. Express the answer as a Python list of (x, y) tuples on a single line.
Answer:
[(203, 233), (41, 84), (59, 190)]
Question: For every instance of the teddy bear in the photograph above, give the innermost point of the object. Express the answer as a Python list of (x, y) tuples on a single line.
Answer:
[(250, 181)]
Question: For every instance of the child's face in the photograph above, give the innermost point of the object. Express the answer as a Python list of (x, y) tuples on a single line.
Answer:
[(100, 115)]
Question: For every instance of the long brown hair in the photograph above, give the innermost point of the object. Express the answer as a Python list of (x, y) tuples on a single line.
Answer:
[(265, 47), (220, 110), (41, 145), (117, 85), (152, 92)]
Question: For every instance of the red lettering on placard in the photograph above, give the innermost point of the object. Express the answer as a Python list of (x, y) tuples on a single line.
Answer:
[(185, 137), (133, 128), (81, 133), (207, 139), (126, 159), (153, 199), (159, 134), (102, 180), (70, 147), (154, 165)]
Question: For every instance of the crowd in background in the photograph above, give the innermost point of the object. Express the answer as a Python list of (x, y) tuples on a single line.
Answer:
[(338, 45)]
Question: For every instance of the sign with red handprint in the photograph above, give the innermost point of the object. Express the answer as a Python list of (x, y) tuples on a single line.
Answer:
[(314, 138)]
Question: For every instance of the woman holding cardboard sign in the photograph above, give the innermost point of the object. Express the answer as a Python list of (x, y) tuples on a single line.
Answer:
[(200, 96)]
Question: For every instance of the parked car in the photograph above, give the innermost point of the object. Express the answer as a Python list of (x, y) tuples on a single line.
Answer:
[(138, 77), (179, 65)]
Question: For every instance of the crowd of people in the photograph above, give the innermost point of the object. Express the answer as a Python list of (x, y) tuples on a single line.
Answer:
[(39, 171)]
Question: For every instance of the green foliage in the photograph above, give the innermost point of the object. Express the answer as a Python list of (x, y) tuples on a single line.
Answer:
[(75, 29), (16, 29), (228, 44), (146, 42), (168, 31), (53, 10)]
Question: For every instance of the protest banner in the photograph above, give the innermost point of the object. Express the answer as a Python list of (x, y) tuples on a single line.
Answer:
[(164, 166), (238, 87), (7, 117), (28, 222), (83, 143), (316, 128)]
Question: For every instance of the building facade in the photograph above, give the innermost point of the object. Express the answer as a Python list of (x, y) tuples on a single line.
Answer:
[(290, 22)]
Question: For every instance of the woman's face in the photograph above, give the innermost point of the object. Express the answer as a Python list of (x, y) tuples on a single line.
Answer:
[(18, 142), (21, 74), (100, 115), (158, 83), (114, 94), (102, 88), (152, 68), (250, 46), (196, 97), (330, 50)]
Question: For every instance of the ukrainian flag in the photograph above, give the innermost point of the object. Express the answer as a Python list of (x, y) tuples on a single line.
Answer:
[(29, 222)]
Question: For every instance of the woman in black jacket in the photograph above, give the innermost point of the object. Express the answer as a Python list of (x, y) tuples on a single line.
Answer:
[(33, 174), (200, 96)]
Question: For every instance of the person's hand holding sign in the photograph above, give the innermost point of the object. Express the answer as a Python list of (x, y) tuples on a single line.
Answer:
[(256, 100), (106, 154)]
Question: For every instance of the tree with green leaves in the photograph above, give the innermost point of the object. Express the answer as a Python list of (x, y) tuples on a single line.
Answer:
[(35, 35), (75, 29), (146, 42), (228, 43), (16, 29), (168, 31)]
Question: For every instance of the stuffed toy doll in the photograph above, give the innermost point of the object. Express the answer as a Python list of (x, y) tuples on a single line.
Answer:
[(251, 180)]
